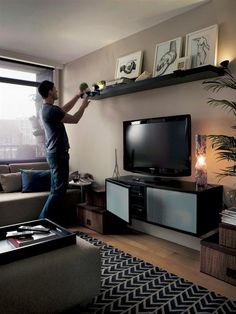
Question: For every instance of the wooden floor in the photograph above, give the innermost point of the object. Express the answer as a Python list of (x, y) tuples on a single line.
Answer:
[(174, 258)]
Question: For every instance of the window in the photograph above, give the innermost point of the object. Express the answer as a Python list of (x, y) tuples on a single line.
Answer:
[(21, 134)]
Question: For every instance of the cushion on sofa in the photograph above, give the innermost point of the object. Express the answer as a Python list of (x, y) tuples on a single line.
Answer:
[(18, 207), (35, 180), (3, 169), (11, 182), (35, 165)]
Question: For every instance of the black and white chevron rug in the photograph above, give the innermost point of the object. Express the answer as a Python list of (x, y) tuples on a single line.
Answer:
[(132, 286)]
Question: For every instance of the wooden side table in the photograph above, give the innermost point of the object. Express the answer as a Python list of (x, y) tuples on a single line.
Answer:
[(92, 217), (227, 235), (82, 185), (218, 254), (93, 213)]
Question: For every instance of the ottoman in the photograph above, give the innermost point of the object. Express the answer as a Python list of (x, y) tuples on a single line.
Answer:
[(51, 282)]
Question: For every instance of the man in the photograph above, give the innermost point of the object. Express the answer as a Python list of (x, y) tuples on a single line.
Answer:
[(57, 145)]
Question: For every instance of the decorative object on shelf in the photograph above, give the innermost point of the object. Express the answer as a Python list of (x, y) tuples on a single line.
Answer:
[(101, 84), (200, 167), (122, 80), (145, 75), (116, 169), (166, 55), (224, 145), (183, 63), (201, 46), (225, 64), (84, 88), (86, 91), (129, 66)]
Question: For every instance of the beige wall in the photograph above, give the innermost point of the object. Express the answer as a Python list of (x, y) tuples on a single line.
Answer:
[(94, 139)]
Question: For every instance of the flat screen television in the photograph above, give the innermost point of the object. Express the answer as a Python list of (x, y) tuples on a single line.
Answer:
[(158, 146)]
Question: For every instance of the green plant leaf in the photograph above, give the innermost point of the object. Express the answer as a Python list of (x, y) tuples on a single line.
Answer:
[(227, 81), (225, 104), (225, 146)]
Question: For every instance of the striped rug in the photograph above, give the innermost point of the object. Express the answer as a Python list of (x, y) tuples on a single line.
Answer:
[(132, 286)]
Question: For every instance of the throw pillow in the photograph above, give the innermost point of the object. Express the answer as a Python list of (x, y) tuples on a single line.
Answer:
[(35, 180), (11, 182)]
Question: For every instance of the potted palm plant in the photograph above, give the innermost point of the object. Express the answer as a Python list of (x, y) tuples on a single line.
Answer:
[(224, 145)]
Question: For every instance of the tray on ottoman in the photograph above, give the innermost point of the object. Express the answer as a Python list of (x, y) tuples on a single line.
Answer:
[(9, 252)]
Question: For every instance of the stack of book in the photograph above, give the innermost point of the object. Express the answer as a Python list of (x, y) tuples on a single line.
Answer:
[(228, 216)]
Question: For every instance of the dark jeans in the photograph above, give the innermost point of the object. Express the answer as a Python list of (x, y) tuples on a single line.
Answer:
[(59, 166)]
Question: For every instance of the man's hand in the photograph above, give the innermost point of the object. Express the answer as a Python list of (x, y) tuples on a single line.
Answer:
[(85, 102), (79, 94)]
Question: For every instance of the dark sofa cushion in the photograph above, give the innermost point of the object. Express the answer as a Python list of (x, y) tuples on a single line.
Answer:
[(35, 180)]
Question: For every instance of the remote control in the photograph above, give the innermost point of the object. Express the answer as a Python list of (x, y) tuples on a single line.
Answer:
[(34, 229), (17, 234)]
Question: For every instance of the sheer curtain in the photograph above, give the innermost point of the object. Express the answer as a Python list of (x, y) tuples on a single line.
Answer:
[(21, 134)]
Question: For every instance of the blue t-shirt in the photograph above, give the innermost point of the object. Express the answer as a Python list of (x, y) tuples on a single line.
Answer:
[(55, 132)]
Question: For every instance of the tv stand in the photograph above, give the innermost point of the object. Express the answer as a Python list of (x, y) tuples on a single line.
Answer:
[(137, 179), (162, 181), (177, 205)]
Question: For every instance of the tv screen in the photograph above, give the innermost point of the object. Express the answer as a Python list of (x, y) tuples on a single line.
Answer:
[(158, 146)]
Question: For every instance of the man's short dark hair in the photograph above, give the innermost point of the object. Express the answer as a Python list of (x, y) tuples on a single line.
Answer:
[(45, 87)]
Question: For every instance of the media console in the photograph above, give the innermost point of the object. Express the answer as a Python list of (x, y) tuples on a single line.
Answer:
[(178, 205)]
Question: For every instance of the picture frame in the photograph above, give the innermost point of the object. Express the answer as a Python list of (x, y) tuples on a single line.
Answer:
[(129, 66), (183, 63), (166, 55), (202, 46)]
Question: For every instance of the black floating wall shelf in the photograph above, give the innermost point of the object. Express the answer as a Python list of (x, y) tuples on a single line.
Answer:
[(178, 77)]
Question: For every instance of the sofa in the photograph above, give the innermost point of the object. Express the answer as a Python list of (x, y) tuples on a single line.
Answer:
[(51, 282), (17, 205)]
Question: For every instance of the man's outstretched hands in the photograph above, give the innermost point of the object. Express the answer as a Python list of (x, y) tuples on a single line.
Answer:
[(85, 102)]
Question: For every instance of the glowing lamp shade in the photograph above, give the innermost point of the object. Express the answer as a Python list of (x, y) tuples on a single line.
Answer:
[(200, 166)]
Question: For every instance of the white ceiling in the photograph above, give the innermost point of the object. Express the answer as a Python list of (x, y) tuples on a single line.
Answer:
[(64, 30)]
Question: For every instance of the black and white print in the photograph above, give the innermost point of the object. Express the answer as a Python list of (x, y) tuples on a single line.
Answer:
[(166, 56), (129, 66), (201, 46)]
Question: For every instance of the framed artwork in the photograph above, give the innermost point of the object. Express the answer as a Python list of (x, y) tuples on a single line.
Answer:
[(183, 63), (129, 66), (201, 46), (166, 56)]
